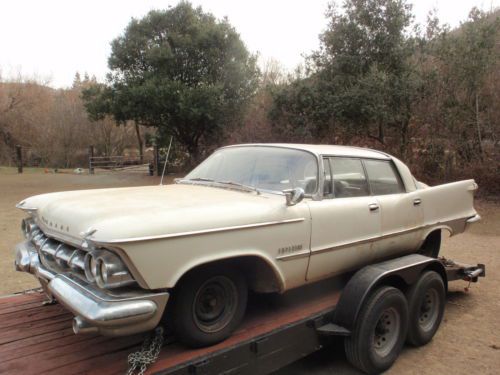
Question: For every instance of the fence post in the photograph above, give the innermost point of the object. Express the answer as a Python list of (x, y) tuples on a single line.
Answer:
[(157, 160), (19, 154), (91, 155)]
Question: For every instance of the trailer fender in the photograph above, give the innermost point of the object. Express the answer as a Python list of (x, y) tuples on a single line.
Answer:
[(400, 272)]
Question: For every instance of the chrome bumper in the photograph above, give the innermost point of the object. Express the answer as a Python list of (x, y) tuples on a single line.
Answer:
[(111, 313), (472, 220)]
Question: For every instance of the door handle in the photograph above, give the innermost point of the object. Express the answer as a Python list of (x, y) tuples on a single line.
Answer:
[(373, 206), (417, 201)]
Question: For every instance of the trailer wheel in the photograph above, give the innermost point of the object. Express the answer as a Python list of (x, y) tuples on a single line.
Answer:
[(380, 331), (426, 301), (208, 304)]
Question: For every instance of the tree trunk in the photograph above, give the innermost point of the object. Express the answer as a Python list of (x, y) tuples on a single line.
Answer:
[(380, 136), (194, 154), (139, 141), (381, 132), (404, 139), (478, 127)]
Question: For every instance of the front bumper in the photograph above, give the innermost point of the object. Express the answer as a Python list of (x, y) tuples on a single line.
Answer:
[(117, 313)]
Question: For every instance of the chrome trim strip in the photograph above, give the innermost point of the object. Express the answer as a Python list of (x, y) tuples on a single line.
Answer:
[(198, 232), (29, 209), (383, 237), (474, 219), (298, 254)]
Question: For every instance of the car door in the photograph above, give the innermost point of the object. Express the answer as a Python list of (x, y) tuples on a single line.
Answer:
[(345, 222), (401, 212)]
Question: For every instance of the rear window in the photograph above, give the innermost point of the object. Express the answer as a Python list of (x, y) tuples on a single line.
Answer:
[(383, 177)]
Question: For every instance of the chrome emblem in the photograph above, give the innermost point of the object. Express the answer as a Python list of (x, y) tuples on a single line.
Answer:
[(289, 249)]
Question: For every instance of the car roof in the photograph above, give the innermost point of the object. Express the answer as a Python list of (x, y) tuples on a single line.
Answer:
[(331, 150)]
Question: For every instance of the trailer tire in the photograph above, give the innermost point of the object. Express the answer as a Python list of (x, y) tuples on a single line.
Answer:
[(426, 301), (208, 304), (379, 332)]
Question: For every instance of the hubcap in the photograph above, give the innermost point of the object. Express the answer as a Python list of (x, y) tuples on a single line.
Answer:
[(429, 310), (215, 304), (386, 332)]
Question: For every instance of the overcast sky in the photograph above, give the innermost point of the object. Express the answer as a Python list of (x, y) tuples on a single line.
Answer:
[(54, 39)]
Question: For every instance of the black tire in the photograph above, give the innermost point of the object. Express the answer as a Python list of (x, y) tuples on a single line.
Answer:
[(207, 305), (431, 245), (426, 301), (374, 343)]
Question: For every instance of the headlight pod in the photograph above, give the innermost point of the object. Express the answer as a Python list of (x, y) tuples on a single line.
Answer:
[(29, 228), (90, 266), (24, 227), (106, 269)]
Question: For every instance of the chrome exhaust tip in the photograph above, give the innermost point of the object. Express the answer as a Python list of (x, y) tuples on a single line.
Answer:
[(81, 326)]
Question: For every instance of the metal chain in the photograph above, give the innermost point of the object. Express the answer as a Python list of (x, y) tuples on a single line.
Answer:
[(148, 354)]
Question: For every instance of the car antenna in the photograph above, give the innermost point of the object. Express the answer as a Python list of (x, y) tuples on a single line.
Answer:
[(166, 160)]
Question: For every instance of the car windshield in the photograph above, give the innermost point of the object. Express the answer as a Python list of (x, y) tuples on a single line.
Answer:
[(260, 167)]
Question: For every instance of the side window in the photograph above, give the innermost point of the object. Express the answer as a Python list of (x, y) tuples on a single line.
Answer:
[(349, 178), (383, 178)]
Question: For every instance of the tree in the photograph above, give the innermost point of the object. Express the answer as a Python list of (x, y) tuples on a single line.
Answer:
[(470, 55), (361, 77), (181, 71)]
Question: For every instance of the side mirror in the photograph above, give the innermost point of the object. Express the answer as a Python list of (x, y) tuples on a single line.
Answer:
[(293, 196)]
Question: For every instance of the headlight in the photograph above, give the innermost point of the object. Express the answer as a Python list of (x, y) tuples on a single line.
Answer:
[(90, 266), (111, 272), (106, 269)]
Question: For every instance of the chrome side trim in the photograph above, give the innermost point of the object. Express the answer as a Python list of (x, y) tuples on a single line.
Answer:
[(298, 254), (388, 235), (198, 232), (474, 219)]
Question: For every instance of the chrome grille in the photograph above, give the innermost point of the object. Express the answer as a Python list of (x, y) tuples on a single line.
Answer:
[(58, 256)]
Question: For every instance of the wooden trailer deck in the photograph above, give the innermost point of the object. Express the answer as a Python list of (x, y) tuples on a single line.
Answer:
[(38, 339)]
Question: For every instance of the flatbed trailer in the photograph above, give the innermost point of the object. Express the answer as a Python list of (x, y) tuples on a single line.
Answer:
[(276, 331)]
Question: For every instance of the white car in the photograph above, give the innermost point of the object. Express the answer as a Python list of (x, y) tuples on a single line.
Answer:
[(262, 217)]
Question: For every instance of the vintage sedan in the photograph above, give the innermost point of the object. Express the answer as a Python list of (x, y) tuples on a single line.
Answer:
[(261, 217)]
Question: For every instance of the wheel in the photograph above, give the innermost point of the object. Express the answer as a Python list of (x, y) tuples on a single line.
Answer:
[(208, 304), (426, 300), (431, 245), (380, 331)]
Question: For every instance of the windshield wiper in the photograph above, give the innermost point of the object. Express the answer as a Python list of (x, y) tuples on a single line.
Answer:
[(249, 188), (194, 179), (201, 179), (232, 183)]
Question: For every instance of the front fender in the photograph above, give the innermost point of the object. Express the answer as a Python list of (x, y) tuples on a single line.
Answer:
[(231, 255)]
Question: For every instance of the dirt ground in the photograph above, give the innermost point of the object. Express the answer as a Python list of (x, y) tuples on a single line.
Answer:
[(467, 342)]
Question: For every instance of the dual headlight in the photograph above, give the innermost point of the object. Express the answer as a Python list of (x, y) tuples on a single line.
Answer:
[(106, 269)]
